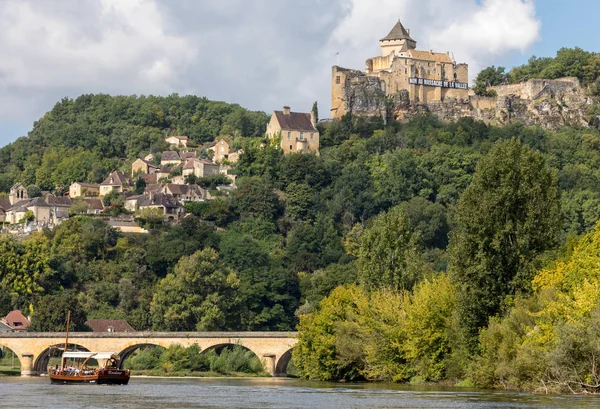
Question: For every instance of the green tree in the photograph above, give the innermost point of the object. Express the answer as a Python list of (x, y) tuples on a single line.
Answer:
[(315, 111), (489, 77), (299, 203), (50, 313), (255, 197), (33, 191), (387, 257), (140, 186), (199, 295), (506, 218)]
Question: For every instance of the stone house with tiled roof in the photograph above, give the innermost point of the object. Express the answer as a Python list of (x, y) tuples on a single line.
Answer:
[(170, 158), (16, 321), (171, 208), (79, 189), (223, 149), (185, 193), (142, 166), (200, 168), (188, 155), (115, 181), (149, 178), (296, 130), (4, 206), (178, 140)]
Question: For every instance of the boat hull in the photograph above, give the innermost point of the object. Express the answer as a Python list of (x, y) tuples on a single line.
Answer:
[(106, 377)]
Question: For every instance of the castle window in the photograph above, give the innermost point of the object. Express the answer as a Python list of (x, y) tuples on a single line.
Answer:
[(289, 135), (406, 70), (301, 136), (337, 79), (312, 135), (291, 147)]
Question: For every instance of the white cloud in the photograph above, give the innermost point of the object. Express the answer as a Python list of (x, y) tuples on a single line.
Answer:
[(262, 54)]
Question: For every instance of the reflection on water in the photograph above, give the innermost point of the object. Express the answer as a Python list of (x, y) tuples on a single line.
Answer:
[(144, 393)]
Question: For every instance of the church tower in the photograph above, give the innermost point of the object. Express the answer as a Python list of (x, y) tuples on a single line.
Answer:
[(17, 192), (396, 41)]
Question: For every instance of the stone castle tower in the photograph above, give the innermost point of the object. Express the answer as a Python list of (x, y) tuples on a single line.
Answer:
[(401, 73), (397, 40)]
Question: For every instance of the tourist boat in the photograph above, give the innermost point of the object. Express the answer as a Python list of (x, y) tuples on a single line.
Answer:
[(77, 372)]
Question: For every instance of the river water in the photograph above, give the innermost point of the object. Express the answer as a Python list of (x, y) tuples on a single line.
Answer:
[(145, 393)]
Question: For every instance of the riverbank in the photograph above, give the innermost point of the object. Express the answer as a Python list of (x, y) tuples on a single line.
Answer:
[(157, 373), (9, 371)]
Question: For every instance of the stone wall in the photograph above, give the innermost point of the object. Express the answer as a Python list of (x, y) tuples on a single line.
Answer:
[(550, 104)]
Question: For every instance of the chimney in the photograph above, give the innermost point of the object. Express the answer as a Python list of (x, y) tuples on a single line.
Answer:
[(286, 110), (313, 119), (408, 31)]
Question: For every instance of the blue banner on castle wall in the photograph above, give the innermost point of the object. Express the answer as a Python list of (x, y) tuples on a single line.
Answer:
[(438, 83)]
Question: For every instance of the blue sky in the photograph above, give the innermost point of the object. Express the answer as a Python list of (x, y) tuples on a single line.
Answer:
[(242, 51), (565, 23)]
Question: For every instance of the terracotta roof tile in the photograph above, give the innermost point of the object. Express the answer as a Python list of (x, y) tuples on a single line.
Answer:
[(16, 320)]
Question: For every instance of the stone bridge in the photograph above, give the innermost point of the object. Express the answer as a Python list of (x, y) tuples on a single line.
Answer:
[(34, 348)]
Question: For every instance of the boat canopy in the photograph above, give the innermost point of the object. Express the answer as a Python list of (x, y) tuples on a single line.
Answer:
[(94, 355)]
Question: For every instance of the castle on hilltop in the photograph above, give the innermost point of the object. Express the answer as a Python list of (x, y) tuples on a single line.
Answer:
[(401, 70)]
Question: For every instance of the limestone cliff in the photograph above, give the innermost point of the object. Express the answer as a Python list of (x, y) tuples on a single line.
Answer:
[(550, 104)]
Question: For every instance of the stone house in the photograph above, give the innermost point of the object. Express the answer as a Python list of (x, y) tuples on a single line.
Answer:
[(184, 193), (16, 321), (200, 168), (94, 205), (115, 181), (170, 158), (149, 178), (131, 202), (170, 207), (188, 155), (223, 149), (297, 131), (178, 141), (79, 189), (4, 206), (142, 166)]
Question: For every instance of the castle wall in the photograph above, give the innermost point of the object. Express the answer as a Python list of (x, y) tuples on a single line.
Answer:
[(533, 88)]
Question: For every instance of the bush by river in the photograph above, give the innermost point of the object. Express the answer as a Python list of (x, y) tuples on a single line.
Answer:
[(189, 361)]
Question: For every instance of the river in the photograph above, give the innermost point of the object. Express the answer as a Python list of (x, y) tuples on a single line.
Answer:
[(180, 393)]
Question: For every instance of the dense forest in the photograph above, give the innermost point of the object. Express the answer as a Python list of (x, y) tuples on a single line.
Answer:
[(420, 251)]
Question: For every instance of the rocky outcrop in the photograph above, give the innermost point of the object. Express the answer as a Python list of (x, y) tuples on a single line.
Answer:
[(550, 104)]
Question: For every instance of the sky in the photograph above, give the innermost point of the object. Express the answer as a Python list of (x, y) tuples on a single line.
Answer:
[(262, 54)]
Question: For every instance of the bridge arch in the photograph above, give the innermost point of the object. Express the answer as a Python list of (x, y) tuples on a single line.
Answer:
[(282, 363), (127, 352), (7, 353), (40, 364)]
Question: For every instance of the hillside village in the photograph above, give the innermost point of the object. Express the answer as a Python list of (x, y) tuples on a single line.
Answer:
[(158, 187)]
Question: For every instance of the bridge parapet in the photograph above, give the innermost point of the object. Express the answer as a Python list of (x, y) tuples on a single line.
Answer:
[(32, 348)]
